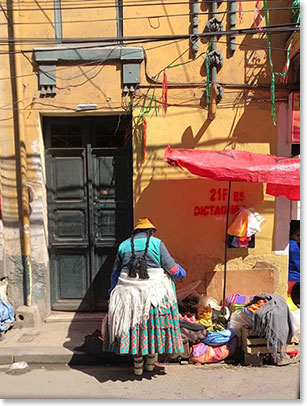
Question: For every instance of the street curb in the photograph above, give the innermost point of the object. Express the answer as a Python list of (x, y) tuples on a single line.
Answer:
[(40, 355), (58, 355), (6, 356)]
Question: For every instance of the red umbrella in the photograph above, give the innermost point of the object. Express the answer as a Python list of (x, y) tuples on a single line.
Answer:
[(282, 175)]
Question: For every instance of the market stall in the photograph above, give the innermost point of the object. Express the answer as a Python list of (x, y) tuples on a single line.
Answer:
[(282, 175), (222, 332)]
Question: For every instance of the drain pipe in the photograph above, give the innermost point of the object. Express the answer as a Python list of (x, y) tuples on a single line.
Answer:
[(232, 25), (212, 107), (214, 41), (215, 62), (195, 23), (21, 158)]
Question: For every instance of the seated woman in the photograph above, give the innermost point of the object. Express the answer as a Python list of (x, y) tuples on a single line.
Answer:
[(143, 318), (294, 263)]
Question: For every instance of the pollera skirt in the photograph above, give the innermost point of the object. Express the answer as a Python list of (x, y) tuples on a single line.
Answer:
[(143, 316)]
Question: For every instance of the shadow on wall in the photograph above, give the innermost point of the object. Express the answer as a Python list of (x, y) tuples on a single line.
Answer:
[(190, 217)]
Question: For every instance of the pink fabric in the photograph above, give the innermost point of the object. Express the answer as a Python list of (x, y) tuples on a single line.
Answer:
[(199, 349), (281, 174)]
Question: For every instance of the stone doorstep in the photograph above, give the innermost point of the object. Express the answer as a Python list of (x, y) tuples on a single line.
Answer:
[(42, 355), (57, 316)]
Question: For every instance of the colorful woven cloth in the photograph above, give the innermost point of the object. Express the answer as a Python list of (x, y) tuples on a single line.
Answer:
[(237, 299), (143, 316), (160, 334)]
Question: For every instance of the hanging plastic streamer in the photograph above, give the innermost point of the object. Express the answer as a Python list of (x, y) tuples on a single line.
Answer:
[(258, 17), (283, 74), (164, 92), (240, 11), (128, 134), (295, 17), (144, 139), (153, 99), (287, 64)]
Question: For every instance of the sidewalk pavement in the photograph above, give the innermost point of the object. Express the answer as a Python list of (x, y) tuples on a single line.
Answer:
[(58, 341), (53, 341)]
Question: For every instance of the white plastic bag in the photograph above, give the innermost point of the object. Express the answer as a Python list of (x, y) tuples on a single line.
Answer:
[(254, 222), (19, 365), (296, 320), (239, 320)]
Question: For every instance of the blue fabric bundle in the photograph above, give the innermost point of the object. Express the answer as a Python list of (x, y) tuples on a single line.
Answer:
[(6, 314), (215, 338)]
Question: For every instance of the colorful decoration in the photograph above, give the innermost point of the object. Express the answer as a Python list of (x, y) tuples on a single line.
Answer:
[(258, 17), (295, 117), (164, 92), (287, 64), (285, 72), (240, 11)]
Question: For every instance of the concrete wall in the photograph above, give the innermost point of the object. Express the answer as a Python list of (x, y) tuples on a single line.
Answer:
[(169, 196)]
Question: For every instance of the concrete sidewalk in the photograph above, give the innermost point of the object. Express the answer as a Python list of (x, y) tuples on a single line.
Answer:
[(53, 341)]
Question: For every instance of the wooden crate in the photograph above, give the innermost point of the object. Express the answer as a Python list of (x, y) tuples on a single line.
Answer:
[(253, 344)]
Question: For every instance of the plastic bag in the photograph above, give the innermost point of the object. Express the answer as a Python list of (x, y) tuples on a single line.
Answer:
[(246, 223), (296, 320), (239, 320), (187, 290), (239, 226), (254, 223), (206, 300), (18, 365)]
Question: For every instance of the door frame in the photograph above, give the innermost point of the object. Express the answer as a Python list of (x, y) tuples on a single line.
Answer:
[(73, 305)]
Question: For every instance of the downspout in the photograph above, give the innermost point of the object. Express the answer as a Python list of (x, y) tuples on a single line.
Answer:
[(119, 20), (195, 23), (232, 26), (57, 21), (213, 47), (21, 158), (215, 61)]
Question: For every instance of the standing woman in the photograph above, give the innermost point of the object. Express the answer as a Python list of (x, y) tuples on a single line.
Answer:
[(143, 318)]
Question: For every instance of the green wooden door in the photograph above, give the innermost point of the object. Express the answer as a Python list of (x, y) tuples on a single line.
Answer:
[(110, 211), (89, 214)]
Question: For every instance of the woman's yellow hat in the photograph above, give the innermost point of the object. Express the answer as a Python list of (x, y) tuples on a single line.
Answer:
[(144, 222)]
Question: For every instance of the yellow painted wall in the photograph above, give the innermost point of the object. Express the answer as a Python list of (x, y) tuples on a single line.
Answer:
[(167, 195)]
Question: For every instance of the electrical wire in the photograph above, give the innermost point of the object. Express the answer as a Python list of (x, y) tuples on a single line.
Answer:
[(98, 62), (89, 63), (273, 29), (113, 5), (144, 17)]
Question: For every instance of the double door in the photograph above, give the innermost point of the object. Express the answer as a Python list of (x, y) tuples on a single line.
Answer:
[(89, 195)]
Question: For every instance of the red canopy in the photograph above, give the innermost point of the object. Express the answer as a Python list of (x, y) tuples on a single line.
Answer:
[(282, 175)]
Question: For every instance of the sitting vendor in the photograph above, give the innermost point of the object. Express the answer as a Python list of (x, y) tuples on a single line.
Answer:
[(294, 253), (294, 263)]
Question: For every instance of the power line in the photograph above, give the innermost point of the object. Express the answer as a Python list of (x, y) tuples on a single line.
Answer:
[(113, 5), (24, 51), (97, 63), (143, 17), (273, 29)]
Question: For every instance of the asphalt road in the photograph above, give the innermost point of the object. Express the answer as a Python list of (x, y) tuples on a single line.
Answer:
[(172, 381)]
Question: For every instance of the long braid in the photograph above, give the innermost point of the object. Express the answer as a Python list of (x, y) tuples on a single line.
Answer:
[(139, 264), (132, 263), (143, 273)]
